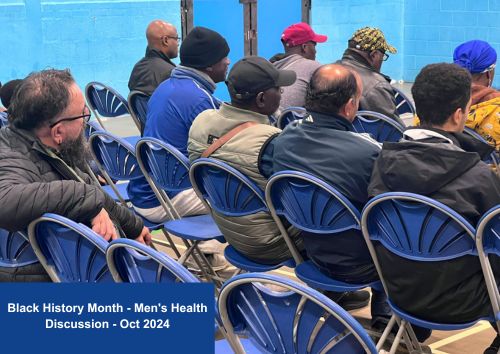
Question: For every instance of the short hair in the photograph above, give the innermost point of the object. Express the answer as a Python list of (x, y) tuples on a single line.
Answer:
[(439, 90), (40, 97), (7, 91), (326, 95)]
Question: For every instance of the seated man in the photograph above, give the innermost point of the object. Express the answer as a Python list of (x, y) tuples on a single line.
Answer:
[(480, 58), (172, 109), (42, 156), (439, 161), (255, 88), (156, 66), (329, 148), (367, 50), (299, 42)]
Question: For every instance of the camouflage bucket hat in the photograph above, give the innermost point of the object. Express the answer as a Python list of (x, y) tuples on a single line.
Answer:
[(370, 38)]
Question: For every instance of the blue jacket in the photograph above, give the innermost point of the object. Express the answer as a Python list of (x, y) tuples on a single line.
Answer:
[(171, 111)]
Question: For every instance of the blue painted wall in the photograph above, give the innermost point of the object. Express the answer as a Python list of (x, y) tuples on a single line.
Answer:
[(423, 31), (102, 39), (97, 39)]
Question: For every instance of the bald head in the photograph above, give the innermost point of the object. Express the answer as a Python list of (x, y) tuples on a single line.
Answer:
[(163, 36), (334, 89)]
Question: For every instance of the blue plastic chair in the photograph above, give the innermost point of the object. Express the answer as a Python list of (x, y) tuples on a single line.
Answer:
[(69, 252), (230, 193), (115, 158), (4, 120), (291, 114), (167, 170), (403, 103), (105, 102), (380, 127), (132, 262), (138, 105), (300, 320), (15, 250), (312, 205), (421, 229), (488, 242), (493, 158)]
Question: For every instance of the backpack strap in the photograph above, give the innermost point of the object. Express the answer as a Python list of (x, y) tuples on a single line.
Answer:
[(226, 137)]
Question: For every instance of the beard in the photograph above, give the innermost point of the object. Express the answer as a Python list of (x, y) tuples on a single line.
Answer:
[(76, 152)]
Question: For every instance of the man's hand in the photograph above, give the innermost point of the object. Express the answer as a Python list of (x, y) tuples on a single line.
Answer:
[(144, 237), (102, 225)]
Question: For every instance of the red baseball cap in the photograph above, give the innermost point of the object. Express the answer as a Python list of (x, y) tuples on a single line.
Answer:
[(301, 33)]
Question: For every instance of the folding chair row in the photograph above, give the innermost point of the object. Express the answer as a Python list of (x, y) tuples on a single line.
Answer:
[(251, 316)]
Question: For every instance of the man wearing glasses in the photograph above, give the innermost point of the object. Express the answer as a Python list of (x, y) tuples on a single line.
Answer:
[(43, 155), (367, 50), (155, 67)]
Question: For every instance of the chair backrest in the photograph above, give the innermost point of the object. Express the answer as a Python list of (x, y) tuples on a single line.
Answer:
[(114, 155), (164, 164), (310, 204), (15, 250), (403, 103), (138, 105), (133, 262), (380, 127), (69, 252), (289, 115), (93, 126), (300, 320), (104, 102), (226, 190), (492, 158), (417, 227)]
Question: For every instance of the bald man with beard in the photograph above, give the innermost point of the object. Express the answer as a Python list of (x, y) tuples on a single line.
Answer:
[(155, 67)]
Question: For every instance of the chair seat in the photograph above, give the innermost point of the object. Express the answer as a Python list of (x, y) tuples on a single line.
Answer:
[(222, 347), (433, 325), (238, 260), (309, 273), (122, 189), (196, 228)]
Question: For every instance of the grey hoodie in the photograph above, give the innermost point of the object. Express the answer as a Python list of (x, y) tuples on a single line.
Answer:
[(295, 95)]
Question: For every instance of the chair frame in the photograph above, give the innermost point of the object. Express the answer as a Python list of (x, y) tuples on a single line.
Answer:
[(483, 253), (250, 265), (305, 292), (93, 109), (405, 330), (192, 248), (81, 229), (335, 285)]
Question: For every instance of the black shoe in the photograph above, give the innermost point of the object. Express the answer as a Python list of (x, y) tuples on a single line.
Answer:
[(351, 300), (379, 323), (494, 347)]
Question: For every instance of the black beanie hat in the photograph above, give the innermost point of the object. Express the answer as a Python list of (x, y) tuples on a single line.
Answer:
[(202, 48)]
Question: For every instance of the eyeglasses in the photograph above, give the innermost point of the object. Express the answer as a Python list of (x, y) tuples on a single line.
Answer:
[(86, 118), (177, 38), (385, 57)]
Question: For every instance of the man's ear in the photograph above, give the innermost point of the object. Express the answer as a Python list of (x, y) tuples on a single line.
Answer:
[(457, 116), (57, 133), (260, 100), (209, 68)]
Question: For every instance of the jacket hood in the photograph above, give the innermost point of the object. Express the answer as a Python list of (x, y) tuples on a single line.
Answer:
[(438, 162), (182, 72)]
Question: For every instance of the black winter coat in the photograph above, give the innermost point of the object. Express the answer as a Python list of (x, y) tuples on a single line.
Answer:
[(449, 170), (34, 181)]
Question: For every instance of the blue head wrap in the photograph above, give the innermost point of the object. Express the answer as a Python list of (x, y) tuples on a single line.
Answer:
[(476, 56)]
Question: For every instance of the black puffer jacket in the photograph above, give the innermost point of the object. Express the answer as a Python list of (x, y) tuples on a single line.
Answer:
[(34, 181), (378, 95), (446, 167)]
